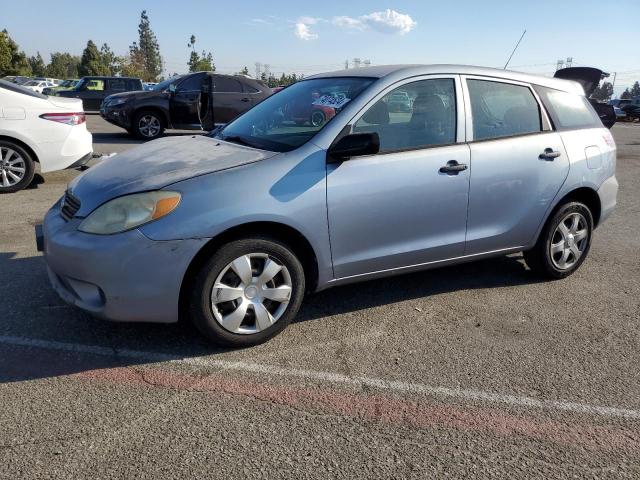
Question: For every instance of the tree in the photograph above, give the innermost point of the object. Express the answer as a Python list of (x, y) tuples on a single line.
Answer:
[(63, 65), (109, 60), (38, 68), (91, 62), (603, 92), (244, 71), (635, 90), (626, 94), (145, 55), (12, 60), (199, 63)]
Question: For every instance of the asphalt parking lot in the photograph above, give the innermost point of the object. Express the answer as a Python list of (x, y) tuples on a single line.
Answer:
[(479, 370)]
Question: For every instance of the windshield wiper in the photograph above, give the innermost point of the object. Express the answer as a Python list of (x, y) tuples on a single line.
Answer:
[(239, 140)]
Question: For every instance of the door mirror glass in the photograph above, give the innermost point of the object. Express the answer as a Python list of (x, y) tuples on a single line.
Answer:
[(354, 145)]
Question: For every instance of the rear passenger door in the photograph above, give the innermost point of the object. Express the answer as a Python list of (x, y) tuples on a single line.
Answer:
[(229, 99), (518, 164)]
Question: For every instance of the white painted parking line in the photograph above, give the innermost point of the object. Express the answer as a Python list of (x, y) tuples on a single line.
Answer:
[(330, 377)]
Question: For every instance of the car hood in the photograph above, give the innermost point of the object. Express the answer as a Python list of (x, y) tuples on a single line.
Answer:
[(155, 165)]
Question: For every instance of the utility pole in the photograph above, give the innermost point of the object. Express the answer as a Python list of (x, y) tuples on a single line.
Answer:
[(258, 69), (613, 84), (559, 65), (346, 64)]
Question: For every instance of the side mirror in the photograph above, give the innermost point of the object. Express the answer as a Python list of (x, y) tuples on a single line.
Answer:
[(606, 113), (353, 145)]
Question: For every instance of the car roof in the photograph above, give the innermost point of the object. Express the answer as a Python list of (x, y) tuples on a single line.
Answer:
[(399, 72)]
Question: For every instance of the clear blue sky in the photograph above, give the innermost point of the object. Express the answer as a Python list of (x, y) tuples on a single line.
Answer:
[(313, 37)]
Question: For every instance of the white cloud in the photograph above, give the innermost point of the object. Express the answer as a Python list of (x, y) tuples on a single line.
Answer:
[(303, 32), (388, 21), (348, 22)]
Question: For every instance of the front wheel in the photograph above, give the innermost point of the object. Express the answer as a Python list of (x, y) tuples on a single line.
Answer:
[(248, 292), (564, 242), (148, 125), (16, 167)]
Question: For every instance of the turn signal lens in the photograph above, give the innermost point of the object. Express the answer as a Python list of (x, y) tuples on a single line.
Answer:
[(165, 206)]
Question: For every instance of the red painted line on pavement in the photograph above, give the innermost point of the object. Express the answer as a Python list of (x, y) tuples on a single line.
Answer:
[(382, 408)]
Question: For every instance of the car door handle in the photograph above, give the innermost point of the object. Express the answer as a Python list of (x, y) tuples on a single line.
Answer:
[(549, 154), (453, 167), (245, 99)]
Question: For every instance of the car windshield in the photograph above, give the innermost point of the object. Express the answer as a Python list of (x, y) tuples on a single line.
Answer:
[(32, 83), (291, 117), (159, 87)]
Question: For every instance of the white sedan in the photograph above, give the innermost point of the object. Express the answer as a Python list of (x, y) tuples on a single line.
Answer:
[(38, 130), (38, 85)]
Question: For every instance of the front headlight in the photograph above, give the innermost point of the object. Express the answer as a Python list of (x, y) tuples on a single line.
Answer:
[(130, 211), (115, 101)]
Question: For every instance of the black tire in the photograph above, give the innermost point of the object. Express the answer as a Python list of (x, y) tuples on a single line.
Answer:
[(201, 310), (29, 166), (540, 259), (153, 133)]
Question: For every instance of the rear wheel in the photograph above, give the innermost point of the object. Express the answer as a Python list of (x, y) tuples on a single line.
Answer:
[(16, 167), (317, 118), (564, 243), (248, 292), (148, 125)]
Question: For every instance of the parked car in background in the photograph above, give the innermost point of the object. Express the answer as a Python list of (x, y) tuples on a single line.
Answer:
[(148, 85), (234, 228), (36, 129), (621, 115), (63, 85), (399, 102), (37, 85), (16, 79), (55, 81), (196, 101), (93, 90)]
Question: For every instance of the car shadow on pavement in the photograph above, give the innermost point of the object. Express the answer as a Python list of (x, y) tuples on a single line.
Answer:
[(33, 316)]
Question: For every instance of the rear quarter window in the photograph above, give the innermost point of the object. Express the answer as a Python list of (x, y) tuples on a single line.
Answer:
[(568, 111)]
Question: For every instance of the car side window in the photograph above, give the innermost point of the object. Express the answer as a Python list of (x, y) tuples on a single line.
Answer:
[(502, 109), (117, 84), (95, 85), (569, 111), (415, 115), (226, 85), (191, 84)]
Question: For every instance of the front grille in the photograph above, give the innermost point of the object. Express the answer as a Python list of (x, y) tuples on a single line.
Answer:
[(70, 206)]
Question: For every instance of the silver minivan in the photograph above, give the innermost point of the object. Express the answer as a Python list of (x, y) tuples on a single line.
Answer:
[(231, 229)]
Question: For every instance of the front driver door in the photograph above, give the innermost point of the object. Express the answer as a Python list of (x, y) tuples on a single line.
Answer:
[(185, 102), (407, 205)]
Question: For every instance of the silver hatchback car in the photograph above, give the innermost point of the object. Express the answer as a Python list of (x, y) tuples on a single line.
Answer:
[(323, 184)]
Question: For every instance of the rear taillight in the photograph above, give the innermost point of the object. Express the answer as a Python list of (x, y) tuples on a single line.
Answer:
[(69, 118)]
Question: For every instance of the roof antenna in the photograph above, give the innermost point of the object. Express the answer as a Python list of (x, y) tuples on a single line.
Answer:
[(514, 50)]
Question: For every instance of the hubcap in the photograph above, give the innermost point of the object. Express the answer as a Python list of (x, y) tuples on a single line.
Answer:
[(12, 167), (251, 293), (317, 119), (149, 126), (569, 241)]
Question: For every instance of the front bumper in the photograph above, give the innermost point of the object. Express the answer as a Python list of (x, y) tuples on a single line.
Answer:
[(116, 116), (122, 277)]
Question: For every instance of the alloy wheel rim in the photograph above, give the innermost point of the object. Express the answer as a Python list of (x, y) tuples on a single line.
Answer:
[(317, 118), (569, 241), (251, 293), (149, 126), (13, 167)]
